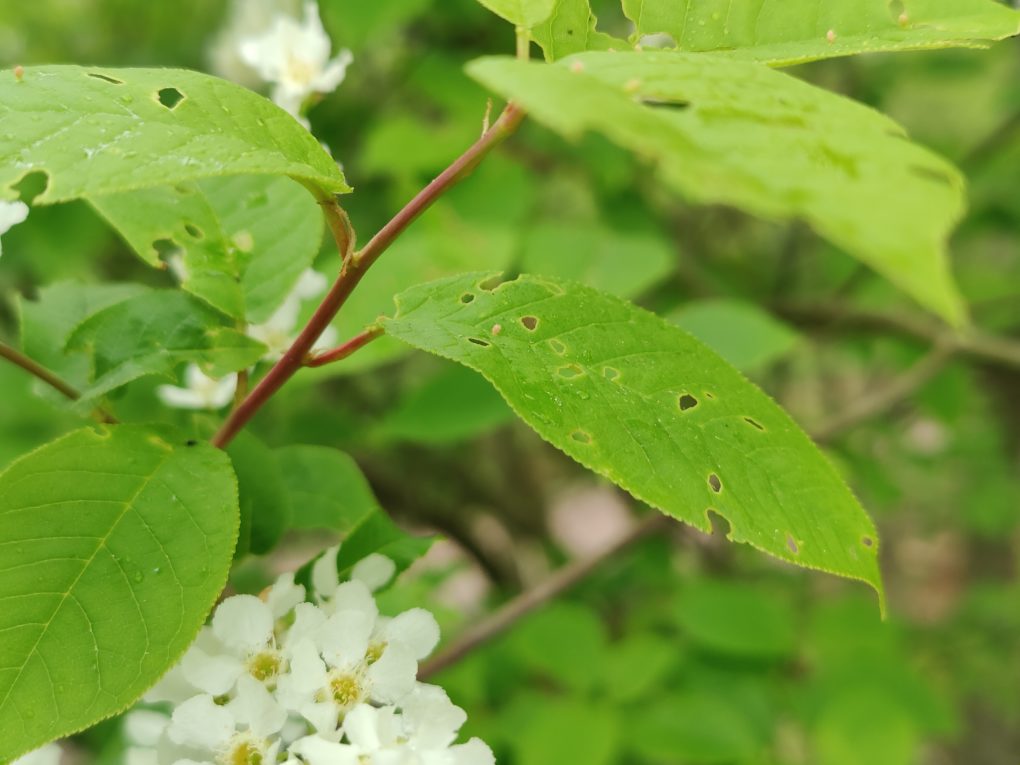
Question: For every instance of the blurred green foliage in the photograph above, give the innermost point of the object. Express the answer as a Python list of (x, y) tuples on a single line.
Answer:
[(684, 651)]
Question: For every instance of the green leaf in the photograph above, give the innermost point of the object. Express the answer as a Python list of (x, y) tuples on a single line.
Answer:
[(244, 240), (373, 531), (790, 32), (563, 642), (262, 496), (563, 730), (740, 332), (737, 133), (571, 29), (115, 546), (865, 727), (522, 13), (326, 488), (97, 131), (637, 666), (477, 226), (796, 31), (698, 727), (152, 333), (25, 419), (378, 534), (644, 404), (737, 620), (454, 405), (622, 262), (48, 322)]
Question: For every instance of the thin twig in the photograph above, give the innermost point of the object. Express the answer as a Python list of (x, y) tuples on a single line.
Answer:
[(990, 146), (984, 348), (354, 266), (565, 578), (40, 372), (886, 398), (343, 351)]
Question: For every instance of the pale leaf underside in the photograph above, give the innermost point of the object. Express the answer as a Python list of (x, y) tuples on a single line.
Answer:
[(735, 132)]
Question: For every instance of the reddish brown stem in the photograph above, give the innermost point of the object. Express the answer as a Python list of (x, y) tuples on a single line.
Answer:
[(343, 351), (354, 267)]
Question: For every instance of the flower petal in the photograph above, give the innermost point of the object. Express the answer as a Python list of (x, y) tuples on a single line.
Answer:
[(323, 715), (255, 707), (284, 595), (354, 596), (324, 575), (244, 622), (474, 752), (307, 621), (371, 729), (317, 751), (416, 629), (144, 727), (430, 718), (374, 571), (201, 723), (343, 639), (214, 675), (48, 754), (393, 676)]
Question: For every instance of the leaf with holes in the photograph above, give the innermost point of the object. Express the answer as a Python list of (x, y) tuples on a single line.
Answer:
[(102, 131), (115, 545), (522, 13), (571, 28), (242, 241), (443, 243), (738, 133), (155, 332), (795, 31), (641, 402), (788, 32)]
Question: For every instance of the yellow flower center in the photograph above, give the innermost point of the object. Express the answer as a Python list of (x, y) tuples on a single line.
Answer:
[(243, 752), (346, 689), (265, 666)]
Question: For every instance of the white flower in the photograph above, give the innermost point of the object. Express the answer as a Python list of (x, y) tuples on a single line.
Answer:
[(200, 391), (375, 571), (278, 331), (239, 731), (245, 19), (44, 755), (11, 214), (242, 640), (352, 656), (295, 58), (275, 679), (144, 731), (422, 732)]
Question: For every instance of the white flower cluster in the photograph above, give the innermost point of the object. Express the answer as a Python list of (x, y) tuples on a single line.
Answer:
[(276, 679)]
